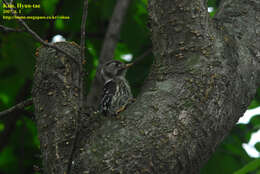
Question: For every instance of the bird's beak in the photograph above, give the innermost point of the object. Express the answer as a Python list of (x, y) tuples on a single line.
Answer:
[(128, 65)]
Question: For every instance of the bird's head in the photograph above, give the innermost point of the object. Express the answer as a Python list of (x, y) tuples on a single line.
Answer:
[(114, 69)]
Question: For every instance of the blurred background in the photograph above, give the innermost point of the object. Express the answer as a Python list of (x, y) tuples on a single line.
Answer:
[(19, 145)]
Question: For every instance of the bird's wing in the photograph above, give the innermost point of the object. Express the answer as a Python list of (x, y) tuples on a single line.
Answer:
[(108, 92)]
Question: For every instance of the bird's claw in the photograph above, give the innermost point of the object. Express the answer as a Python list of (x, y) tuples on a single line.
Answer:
[(120, 110)]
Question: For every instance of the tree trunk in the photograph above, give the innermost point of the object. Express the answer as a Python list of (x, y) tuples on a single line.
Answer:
[(56, 100), (204, 76)]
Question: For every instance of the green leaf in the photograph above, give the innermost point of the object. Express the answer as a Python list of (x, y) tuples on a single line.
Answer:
[(257, 146), (255, 122), (250, 167), (212, 14), (254, 104), (221, 163)]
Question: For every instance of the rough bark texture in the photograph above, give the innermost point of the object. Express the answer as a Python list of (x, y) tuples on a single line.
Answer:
[(204, 76), (56, 101)]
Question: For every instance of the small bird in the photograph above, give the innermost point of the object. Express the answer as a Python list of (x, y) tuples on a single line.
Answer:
[(116, 91)]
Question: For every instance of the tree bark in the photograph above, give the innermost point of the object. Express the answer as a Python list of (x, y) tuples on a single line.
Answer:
[(56, 99), (205, 74)]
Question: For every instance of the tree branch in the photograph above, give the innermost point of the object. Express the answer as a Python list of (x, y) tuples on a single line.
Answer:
[(113, 32), (10, 124), (81, 82), (10, 119), (232, 22), (82, 49), (146, 53), (56, 97), (37, 37), (108, 48), (83, 29), (19, 106), (7, 29)]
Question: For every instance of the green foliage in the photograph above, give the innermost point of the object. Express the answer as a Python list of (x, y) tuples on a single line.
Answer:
[(106, 9), (212, 13), (2, 127), (21, 151), (59, 24), (212, 3), (48, 6), (250, 167), (7, 159), (257, 146), (229, 156), (1, 7), (255, 123), (135, 27), (256, 102), (121, 49), (4, 98)]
